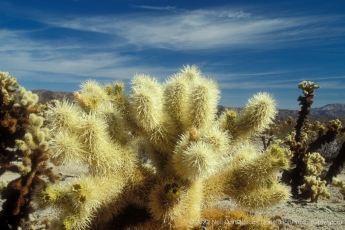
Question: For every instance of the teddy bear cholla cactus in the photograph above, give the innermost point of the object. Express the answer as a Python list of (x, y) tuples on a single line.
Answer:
[(194, 156), (313, 183), (340, 184), (23, 149)]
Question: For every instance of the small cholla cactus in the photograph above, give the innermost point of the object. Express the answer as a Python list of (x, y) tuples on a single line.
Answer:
[(304, 141), (314, 163), (22, 137), (317, 187), (194, 157), (340, 184), (313, 184)]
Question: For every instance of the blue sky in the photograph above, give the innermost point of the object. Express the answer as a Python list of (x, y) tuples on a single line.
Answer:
[(246, 46)]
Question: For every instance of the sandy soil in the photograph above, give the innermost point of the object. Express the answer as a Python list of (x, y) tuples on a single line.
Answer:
[(302, 214)]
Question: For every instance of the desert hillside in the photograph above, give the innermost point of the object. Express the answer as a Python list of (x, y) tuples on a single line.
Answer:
[(47, 95), (325, 113)]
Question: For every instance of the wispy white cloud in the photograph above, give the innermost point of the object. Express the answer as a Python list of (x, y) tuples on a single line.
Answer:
[(58, 61), (261, 85), (278, 82), (249, 75), (156, 7), (328, 78), (72, 58), (206, 29)]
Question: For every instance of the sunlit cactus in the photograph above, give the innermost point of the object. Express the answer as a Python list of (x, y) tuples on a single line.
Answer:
[(193, 157)]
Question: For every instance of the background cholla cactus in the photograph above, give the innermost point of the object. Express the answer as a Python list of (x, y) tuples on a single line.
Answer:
[(296, 140), (193, 157), (314, 186), (340, 184), (22, 138), (304, 141)]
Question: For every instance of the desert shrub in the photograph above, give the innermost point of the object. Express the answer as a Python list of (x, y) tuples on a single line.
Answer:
[(330, 150)]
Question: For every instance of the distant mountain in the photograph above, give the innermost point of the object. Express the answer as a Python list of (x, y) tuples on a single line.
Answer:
[(330, 111), (47, 95), (325, 113)]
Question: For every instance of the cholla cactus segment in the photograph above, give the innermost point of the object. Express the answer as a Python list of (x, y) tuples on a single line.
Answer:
[(93, 94), (200, 152), (85, 139), (227, 121), (146, 103), (3, 184), (79, 199), (308, 87), (203, 101), (176, 98), (314, 163), (94, 88), (172, 198), (258, 114), (104, 156), (8, 85), (259, 168), (7, 81), (67, 147), (37, 138), (334, 125), (28, 99), (249, 175), (217, 139), (47, 194), (195, 162), (62, 115), (190, 98), (116, 124), (271, 194), (190, 73)]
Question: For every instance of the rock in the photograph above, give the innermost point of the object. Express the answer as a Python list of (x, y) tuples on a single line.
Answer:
[(325, 210)]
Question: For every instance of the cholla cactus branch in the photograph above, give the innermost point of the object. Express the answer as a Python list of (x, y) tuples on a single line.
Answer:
[(334, 127), (305, 102), (258, 114)]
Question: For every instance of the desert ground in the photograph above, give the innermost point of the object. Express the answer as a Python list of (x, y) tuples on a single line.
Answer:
[(292, 214)]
